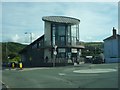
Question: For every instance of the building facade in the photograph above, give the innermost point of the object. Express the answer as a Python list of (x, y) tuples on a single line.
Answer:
[(59, 44), (112, 48)]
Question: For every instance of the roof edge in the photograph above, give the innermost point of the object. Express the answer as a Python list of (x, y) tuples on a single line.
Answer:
[(48, 18)]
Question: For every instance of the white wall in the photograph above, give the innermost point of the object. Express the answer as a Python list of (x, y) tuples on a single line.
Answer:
[(48, 54), (119, 47), (111, 50), (47, 39), (47, 33)]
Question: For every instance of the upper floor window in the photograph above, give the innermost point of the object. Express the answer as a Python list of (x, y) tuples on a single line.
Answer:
[(73, 30), (34, 46), (61, 30)]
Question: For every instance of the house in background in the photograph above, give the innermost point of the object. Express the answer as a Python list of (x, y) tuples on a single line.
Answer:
[(33, 54), (59, 44), (112, 48)]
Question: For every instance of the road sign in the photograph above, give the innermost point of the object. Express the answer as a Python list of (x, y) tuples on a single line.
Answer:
[(55, 52), (55, 46)]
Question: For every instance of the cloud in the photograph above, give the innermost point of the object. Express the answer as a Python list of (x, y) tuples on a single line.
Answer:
[(60, 1), (16, 38), (97, 19), (95, 22), (0, 22)]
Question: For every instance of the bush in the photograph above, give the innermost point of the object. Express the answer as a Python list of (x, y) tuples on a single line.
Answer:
[(15, 59)]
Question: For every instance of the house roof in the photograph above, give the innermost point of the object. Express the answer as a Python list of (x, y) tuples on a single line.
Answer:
[(24, 49), (61, 19), (37, 40), (112, 37)]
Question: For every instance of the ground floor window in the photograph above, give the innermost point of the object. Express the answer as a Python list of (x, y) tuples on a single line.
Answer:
[(64, 54), (61, 53)]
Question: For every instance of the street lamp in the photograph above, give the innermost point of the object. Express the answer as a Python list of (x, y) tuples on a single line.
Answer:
[(55, 53), (30, 36)]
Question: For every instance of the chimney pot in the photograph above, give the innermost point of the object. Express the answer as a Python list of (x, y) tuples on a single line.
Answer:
[(114, 32)]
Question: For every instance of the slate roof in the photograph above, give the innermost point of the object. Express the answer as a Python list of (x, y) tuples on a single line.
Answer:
[(112, 37), (24, 49), (61, 19)]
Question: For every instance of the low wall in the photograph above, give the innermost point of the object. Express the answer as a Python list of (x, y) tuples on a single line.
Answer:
[(50, 65)]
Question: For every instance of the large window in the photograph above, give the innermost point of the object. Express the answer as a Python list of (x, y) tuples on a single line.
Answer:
[(74, 34), (73, 31), (68, 35), (53, 34), (73, 40), (58, 34), (61, 30), (63, 34), (61, 53)]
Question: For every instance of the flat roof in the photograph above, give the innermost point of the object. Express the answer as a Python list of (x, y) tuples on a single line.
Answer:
[(61, 19)]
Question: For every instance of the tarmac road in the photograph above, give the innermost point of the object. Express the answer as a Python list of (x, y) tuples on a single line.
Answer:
[(63, 77)]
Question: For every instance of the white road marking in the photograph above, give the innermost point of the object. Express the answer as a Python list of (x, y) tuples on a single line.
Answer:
[(95, 70), (4, 85), (29, 69), (62, 74)]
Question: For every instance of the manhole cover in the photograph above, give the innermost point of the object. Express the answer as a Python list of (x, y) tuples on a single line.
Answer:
[(95, 71)]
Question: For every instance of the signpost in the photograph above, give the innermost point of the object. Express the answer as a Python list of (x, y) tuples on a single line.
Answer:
[(55, 53)]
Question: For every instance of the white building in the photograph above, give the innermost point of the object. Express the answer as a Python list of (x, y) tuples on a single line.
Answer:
[(112, 48)]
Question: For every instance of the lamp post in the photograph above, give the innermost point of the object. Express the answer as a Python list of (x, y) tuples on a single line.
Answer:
[(55, 53), (30, 36)]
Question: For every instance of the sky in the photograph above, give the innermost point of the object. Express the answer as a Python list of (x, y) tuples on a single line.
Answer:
[(96, 19)]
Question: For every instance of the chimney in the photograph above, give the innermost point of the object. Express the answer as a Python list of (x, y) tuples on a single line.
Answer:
[(114, 32)]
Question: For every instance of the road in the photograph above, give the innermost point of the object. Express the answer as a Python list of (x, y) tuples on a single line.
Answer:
[(82, 76)]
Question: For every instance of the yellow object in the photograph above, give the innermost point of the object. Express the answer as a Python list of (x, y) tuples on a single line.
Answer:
[(30, 58), (20, 64), (13, 65)]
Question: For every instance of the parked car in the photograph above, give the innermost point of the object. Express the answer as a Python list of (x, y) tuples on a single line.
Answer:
[(97, 60)]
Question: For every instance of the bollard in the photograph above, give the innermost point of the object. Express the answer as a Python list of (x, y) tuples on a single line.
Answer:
[(20, 65), (13, 65)]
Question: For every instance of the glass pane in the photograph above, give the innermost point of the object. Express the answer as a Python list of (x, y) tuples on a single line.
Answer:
[(61, 30), (53, 40), (77, 31), (73, 30), (68, 33), (68, 39), (61, 55), (61, 50), (73, 40), (62, 40), (53, 32)]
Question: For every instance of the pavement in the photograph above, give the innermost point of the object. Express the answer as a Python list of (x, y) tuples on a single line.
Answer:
[(0, 78), (80, 76)]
